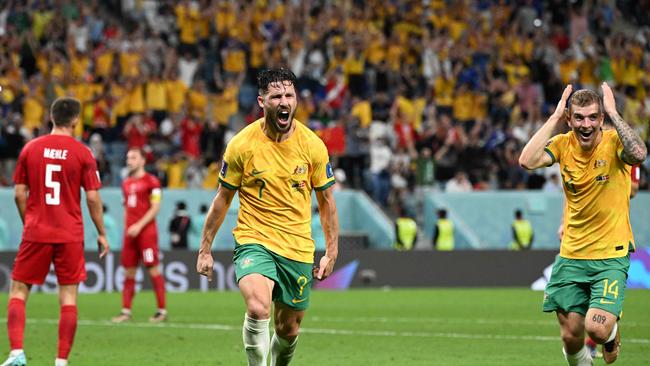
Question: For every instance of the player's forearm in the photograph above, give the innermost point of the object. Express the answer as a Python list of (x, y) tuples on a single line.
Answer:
[(532, 154), (213, 221), (150, 215), (96, 210), (330, 223), (21, 204), (633, 146)]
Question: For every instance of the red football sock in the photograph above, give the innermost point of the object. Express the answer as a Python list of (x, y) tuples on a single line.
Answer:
[(158, 283), (67, 329), (16, 322), (128, 292)]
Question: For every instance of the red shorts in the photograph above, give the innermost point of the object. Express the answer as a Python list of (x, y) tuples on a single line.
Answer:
[(33, 262), (143, 247)]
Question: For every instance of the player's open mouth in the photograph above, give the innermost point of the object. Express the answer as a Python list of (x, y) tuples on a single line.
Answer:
[(585, 135), (283, 116)]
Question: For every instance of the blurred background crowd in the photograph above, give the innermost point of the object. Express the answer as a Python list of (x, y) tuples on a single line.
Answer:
[(407, 95)]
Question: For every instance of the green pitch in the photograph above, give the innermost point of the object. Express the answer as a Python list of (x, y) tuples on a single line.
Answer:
[(367, 327)]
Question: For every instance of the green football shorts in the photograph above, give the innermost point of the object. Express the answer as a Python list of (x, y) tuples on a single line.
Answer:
[(292, 279), (576, 285)]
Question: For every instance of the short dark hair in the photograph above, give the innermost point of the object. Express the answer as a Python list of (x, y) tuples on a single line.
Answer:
[(180, 205), (442, 213), (203, 208), (518, 213), (64, 110), (270, 76)]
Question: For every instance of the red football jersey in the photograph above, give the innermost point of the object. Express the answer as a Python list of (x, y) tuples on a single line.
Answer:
[(54, 168), (137, 194), (635, 174)]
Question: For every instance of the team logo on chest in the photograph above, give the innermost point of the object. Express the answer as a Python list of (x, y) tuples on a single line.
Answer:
[(600, 163)]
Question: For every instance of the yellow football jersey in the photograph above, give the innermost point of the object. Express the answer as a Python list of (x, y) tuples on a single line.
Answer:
[(275, 181), (597, 189)]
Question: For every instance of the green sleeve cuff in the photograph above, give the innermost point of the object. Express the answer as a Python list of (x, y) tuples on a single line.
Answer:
[(327, 185), (622, 157), (550, 153), (227, 185)]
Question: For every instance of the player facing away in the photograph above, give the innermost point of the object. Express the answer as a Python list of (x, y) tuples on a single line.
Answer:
[(50, 173), (587, 284), (141, 197), (274, 164)]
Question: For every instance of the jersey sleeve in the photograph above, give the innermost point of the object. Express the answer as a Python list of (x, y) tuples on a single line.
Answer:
[(554, 148), (20, 174), (322, 175), (90, 175), (231, 168), (156, 190)]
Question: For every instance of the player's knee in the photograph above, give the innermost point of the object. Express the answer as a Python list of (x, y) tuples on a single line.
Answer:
[(258, 310), (572, 338), (598, 332), (287, 330)]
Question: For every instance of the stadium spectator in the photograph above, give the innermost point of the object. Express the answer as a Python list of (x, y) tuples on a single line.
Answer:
[(522, 232), (179, 226), (141, 196), (68, 167), (443, 234), (481, 75)]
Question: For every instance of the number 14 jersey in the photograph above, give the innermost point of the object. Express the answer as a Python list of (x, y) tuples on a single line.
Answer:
[(54, 168)]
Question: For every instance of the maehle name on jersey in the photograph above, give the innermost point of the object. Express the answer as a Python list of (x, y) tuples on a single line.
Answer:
[(55, 154)]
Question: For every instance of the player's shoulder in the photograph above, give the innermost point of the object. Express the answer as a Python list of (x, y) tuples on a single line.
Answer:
[(246, 135), (152, 179), (308, 136)]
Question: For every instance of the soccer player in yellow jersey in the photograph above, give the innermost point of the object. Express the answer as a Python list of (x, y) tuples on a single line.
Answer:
[(587, 284), (274, 164)]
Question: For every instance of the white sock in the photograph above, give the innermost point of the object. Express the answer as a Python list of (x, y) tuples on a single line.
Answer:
[(282, 350), (582, 358), (613, 335), (60, 362), (16, 352), (256, 340)]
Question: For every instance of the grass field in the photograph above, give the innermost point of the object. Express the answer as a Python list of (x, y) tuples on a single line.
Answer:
[(362, 327)]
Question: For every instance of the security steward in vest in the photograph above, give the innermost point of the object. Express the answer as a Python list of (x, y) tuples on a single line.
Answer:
[(406, 231), (443, 235), (522, 232)]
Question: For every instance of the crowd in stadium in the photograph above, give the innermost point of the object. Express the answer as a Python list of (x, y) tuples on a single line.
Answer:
[(404, 93)]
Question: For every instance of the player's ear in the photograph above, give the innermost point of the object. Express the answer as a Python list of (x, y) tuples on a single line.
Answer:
[(260, 101)]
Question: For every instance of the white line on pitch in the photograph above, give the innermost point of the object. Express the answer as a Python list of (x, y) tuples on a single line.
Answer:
[(348, 332)]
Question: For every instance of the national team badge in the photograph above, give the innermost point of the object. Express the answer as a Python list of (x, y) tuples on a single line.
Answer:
[(599, 163), (224, 169), (328, 170)]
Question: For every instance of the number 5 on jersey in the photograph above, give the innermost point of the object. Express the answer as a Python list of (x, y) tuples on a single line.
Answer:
[(53, 198)]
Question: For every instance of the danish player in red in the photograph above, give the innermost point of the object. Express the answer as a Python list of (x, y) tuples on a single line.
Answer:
[(141, 194), (50, 173)]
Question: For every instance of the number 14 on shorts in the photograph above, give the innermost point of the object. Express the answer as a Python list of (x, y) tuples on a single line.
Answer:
[(609, 289)]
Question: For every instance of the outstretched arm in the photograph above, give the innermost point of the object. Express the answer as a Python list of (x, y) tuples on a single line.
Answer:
[(213, 221), (533, 155), (330, 220), (634, 149)]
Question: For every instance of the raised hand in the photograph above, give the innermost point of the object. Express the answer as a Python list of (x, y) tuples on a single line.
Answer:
[(609, 103), (561, 106)]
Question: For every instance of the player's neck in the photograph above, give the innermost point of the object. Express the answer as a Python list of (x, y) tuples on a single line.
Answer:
[(275, 135), (137, 174), (64, 131)]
